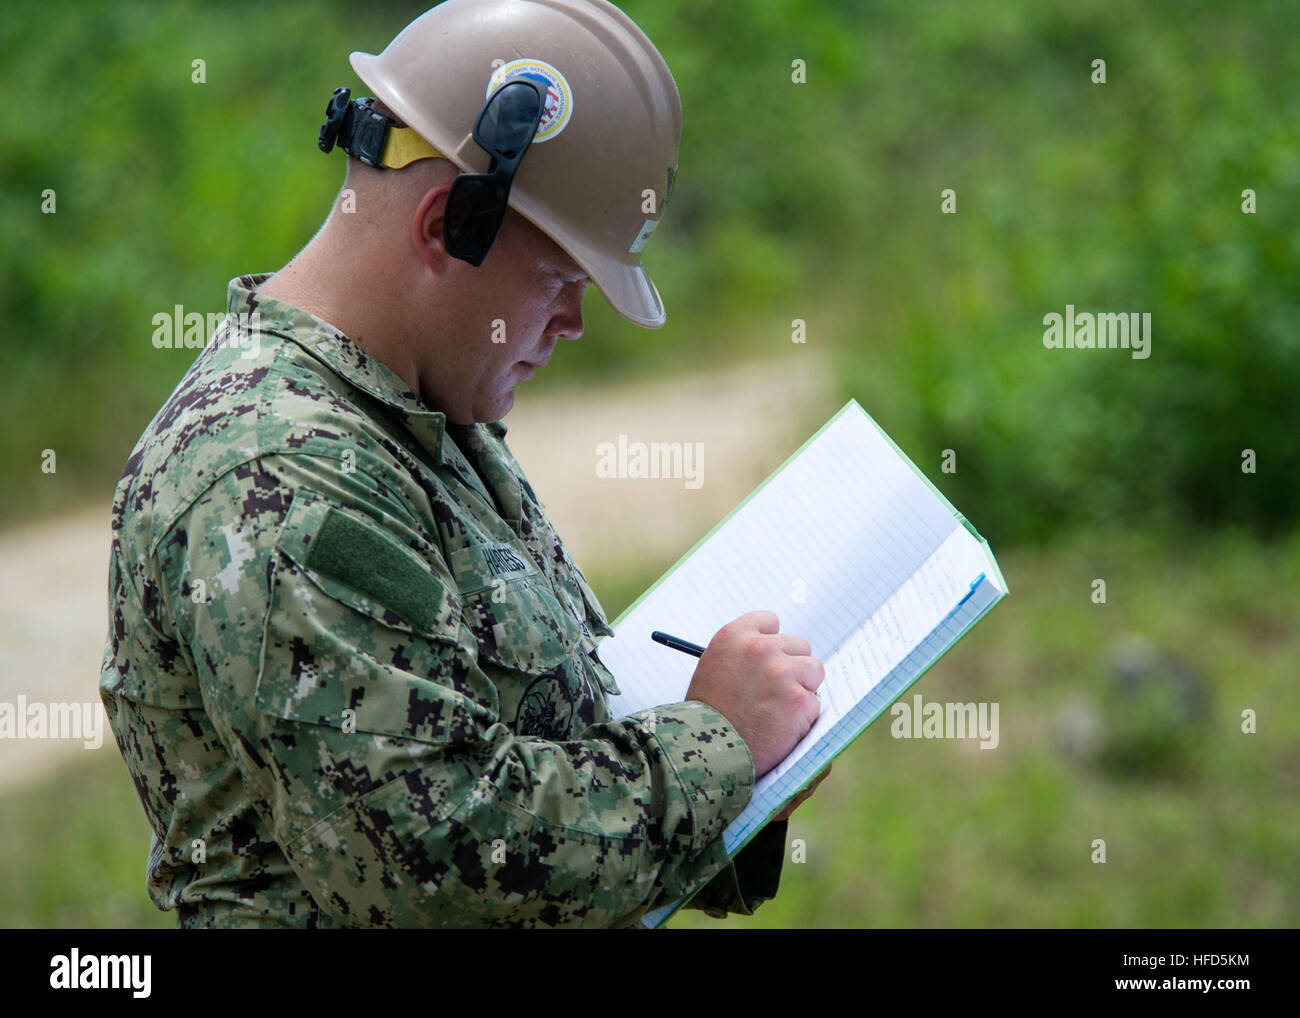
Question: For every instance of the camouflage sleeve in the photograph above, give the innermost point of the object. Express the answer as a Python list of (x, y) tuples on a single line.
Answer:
[(338, 673)]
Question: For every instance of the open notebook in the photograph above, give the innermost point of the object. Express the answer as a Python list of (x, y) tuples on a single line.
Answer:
[(853, 549)]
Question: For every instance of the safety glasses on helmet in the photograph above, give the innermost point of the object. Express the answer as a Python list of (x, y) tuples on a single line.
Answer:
[(476, 205)]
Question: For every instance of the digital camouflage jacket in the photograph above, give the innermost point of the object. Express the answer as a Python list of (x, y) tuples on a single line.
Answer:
[(353, 670)]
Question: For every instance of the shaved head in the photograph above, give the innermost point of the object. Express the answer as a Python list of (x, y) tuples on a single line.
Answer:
[(381, 190)]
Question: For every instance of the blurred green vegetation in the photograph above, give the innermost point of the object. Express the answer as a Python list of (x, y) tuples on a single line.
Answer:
[(818, 201), (941, 833)]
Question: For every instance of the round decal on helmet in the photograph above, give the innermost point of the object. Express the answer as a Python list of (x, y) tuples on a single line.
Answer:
[(556, 93)]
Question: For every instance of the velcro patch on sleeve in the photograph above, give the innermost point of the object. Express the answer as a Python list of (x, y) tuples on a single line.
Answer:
[(376, 565)]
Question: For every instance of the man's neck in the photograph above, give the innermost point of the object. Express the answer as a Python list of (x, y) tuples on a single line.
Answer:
[(336, 281)]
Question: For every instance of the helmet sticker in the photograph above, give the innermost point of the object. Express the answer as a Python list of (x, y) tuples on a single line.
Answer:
[(556, 93), (672, 181), (647, 228)]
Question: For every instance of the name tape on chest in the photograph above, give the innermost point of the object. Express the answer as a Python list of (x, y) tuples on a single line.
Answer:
[(502, 560)]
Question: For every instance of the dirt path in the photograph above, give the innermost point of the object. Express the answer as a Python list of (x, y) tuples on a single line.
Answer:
[(53, 574)]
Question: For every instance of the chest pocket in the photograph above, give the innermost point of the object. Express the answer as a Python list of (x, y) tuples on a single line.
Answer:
[(594, 627), (515, 617)]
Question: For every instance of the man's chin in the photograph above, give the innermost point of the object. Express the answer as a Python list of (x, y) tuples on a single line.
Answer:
[(502, 407), (487, 414)]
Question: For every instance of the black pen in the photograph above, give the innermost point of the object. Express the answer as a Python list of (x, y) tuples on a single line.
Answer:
[(685, 646)]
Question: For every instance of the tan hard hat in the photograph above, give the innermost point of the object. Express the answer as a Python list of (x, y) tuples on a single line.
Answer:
[(601, 166)]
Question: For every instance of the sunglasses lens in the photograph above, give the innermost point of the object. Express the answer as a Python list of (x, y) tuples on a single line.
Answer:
[(476, 208), (509, 121)]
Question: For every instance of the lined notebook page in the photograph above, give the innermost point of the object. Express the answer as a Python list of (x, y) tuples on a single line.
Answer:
[(906, 618), (846, 523)]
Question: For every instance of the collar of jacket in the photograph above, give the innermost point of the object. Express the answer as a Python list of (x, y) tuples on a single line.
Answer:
[(347, 360)]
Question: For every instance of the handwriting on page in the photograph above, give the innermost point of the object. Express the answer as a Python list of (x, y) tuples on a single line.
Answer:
[(906, 618)]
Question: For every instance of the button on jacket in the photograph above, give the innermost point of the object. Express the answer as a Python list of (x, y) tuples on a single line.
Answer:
[(354, 674)]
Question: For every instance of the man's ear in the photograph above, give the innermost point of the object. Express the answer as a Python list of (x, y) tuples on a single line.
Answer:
[(427, 226)]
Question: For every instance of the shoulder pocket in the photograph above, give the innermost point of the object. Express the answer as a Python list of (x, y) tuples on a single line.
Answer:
[(368, 569), (360, 634)]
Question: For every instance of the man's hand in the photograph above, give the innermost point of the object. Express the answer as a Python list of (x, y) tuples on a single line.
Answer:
[(763, 682), (802, 796)]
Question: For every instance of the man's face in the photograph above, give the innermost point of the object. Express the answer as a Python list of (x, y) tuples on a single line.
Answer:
[(511, 311)]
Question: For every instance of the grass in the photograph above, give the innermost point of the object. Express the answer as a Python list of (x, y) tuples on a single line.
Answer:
[(1199, 831), (74, 851)]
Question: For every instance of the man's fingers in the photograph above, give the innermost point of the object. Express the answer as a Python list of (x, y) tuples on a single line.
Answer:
[(810, 673), (795, 645), (804, 795), (764, 621), (807, 792)]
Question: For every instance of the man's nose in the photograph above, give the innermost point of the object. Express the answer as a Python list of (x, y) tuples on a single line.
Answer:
[(568, 324)]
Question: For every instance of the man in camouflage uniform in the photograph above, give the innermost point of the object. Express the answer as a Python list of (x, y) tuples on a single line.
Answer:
[(351, 666)]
